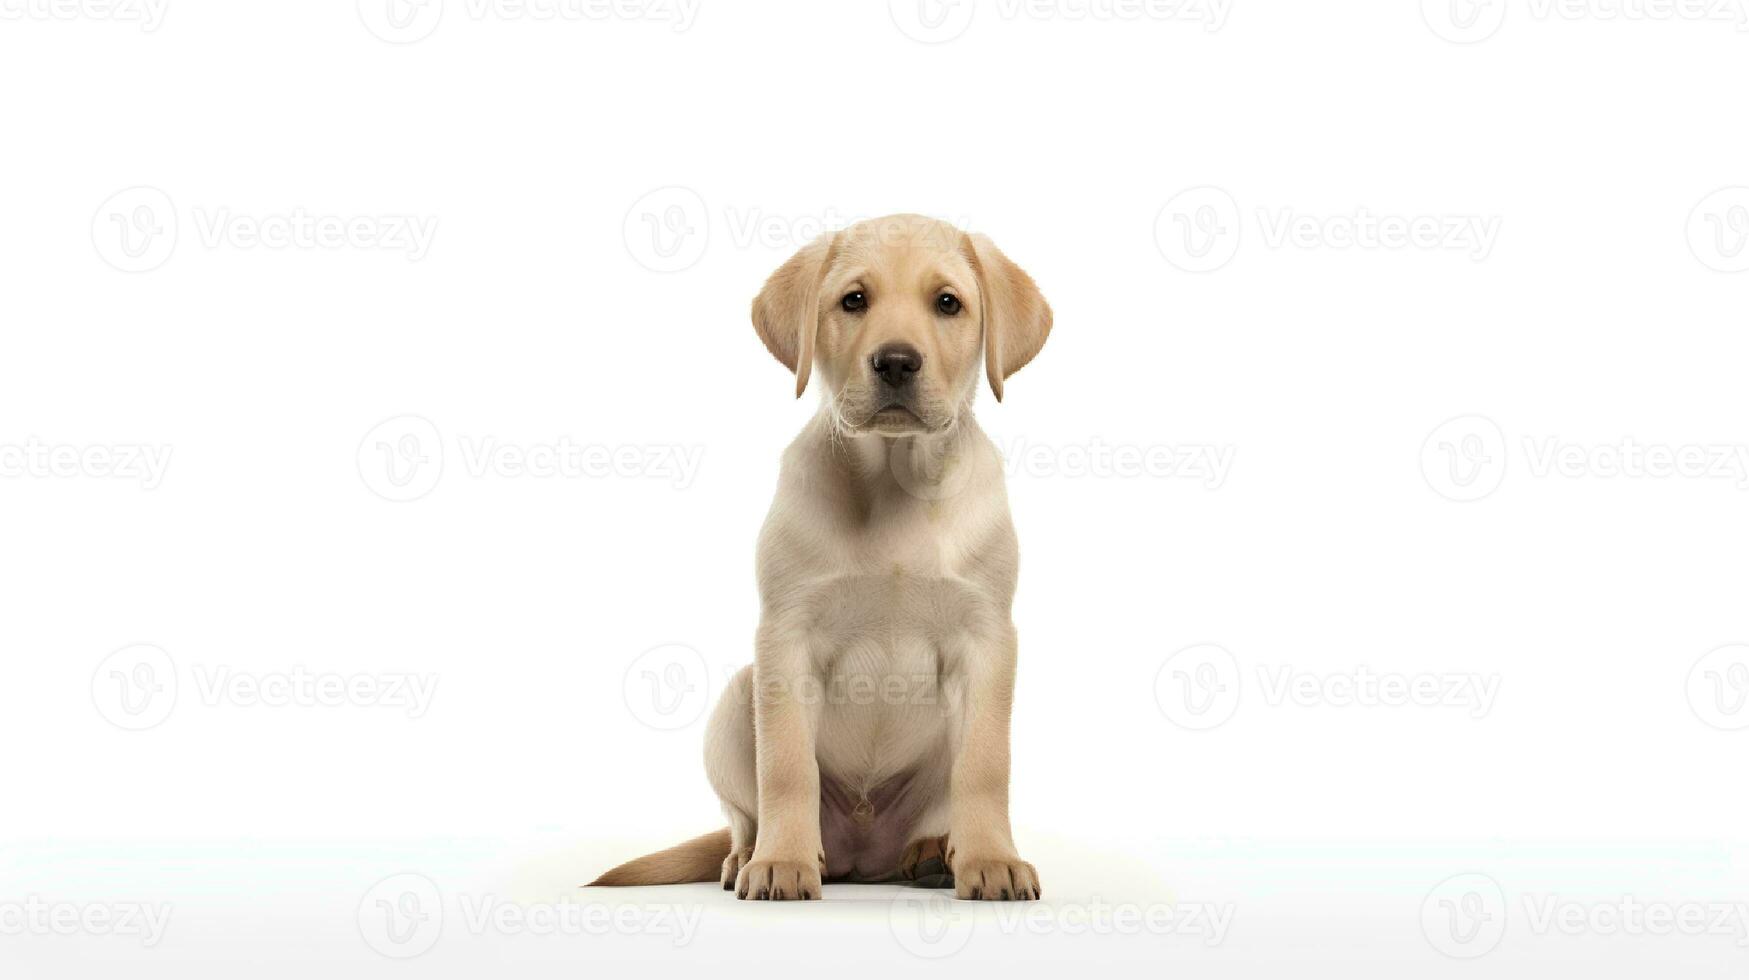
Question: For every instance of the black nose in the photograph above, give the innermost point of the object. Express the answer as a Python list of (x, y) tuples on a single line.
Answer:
[(896, 363)]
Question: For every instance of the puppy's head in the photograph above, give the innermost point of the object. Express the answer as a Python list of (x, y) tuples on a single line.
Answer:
[(895, 312)]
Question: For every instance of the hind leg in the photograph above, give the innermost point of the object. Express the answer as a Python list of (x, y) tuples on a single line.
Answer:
[(729, 764)]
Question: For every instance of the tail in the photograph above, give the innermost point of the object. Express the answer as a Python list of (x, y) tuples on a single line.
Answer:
[(699, 859)]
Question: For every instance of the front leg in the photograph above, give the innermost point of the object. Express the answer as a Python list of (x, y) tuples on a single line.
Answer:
[(787, 857), (981, 850)]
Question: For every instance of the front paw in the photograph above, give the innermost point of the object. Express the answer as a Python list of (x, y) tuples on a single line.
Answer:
[(994, 879), (778, 881), (733, 864)]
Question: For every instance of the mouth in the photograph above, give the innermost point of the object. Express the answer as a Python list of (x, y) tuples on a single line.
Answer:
[(895, 418)]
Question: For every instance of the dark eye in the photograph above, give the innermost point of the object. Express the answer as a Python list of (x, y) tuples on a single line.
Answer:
[(854, 302), (948, 304)]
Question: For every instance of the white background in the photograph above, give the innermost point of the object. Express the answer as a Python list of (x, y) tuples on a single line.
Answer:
[(607, 193)]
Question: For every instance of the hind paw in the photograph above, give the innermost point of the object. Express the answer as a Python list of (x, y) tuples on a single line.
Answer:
[(924, 857)]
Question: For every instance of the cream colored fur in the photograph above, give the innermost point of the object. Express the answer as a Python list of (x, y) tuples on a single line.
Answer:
[(880, 695)]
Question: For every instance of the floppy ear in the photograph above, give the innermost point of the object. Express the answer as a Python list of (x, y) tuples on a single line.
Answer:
[(1016, 317), (787, 311)]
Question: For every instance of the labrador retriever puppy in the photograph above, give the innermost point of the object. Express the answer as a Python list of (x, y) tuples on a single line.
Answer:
[(868, 741)]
